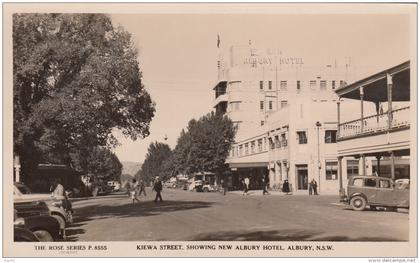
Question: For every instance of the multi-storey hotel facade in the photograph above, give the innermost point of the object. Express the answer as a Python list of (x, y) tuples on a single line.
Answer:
[(286, 117)]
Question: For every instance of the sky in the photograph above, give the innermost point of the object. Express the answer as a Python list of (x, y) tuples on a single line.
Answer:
[(178, 56)]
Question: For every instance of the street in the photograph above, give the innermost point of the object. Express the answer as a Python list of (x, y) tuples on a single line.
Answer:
[(193, 216)]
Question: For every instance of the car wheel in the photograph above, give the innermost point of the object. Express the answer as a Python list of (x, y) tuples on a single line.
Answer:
[(358, 203), (43, 236), (60, 220)]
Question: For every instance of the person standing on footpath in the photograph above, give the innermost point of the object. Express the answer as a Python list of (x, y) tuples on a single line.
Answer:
[(142, 187), (158, 188), (311, 187), (246, 185), (314, 186), (224, 186), (286, 187)]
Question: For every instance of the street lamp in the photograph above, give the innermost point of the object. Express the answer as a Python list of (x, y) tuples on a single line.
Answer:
[(318, 125)]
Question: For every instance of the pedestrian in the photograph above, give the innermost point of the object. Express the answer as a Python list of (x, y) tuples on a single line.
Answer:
[(314, 186), (134, 190), (246, 185), (224, 186), (264, 185), (310, 188), (142, 187), (286, 187), (158, 188)]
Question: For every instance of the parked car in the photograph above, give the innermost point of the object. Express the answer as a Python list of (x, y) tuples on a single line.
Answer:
[(36, 228), (169, 184), (207, 187), (196, 186), (375, 191), (24, 235), (100, 188), (28, 204)]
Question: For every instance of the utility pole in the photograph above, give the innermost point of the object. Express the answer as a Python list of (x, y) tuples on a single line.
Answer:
[(318, 125)]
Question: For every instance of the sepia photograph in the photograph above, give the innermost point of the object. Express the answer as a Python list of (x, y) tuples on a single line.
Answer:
[(210, 130)]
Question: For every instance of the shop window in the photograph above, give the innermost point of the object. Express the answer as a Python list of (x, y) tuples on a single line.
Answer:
[(331, 171), (352, 168)]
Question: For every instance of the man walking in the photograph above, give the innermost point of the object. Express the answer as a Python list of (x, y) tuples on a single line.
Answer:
[(224, 186), (264, 185), (142, 187), (158, 188)]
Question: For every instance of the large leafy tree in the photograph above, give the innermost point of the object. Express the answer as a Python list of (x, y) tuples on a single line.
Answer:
[(76, 79), (157, 162), (205, 145)]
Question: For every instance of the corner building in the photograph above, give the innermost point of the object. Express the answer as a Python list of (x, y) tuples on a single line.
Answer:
[(275, 100)]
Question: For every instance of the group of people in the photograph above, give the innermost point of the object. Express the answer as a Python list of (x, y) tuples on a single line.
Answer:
[(136, 188), (313, 187)]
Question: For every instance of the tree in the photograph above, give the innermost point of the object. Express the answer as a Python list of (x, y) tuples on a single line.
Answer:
[(76, 78), (101, 162), (205, 146), (157, 162)]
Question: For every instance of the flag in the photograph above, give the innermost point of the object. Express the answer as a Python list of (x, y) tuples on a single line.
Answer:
[(218, 40)]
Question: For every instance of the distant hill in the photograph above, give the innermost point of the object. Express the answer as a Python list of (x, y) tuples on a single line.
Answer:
[(130, 168)]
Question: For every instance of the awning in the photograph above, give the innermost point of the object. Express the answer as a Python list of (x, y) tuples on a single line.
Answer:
[(249, 165)]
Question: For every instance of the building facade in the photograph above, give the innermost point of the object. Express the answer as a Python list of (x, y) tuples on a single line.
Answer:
[(275, 101)]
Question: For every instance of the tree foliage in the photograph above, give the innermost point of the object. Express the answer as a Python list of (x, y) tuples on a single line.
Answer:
[(76, 78), (205, 145), (157, 162)]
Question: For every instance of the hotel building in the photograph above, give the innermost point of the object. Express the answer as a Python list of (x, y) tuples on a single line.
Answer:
[(276, 101)]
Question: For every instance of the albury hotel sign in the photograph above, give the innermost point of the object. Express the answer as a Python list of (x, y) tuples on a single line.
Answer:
[(270, 57)]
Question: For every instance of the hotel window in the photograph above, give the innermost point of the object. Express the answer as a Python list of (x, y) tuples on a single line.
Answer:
[(265, 143), (298, 85), (277, 140), (270, 84), (235, 106), (283, 85), (240, 150), (246, 149), (261, 105), (352, 168), (237, 151), (261, 85), (283, 104), (260, 145), (312, 84), (333, 84), (270, 105), (331, 171), (330, 136), (323, 85), (272, 145), (342, 83), (262, 123), (253, 147), (283, 140), (302, 137)]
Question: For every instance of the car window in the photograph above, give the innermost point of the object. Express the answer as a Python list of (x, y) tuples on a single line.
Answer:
[(384, 184), (370, 182), (358, 182)]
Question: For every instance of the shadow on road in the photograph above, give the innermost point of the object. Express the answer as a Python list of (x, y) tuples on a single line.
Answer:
[(280, 235), (142, 209)]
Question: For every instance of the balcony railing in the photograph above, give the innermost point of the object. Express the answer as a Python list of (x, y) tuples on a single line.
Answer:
[(375, 123)]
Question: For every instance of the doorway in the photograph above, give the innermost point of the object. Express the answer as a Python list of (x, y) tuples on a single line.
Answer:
[(302, 176)]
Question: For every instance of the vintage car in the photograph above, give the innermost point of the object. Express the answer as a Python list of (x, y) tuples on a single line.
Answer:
[(29, 204), (375, 191), (36, 228)]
